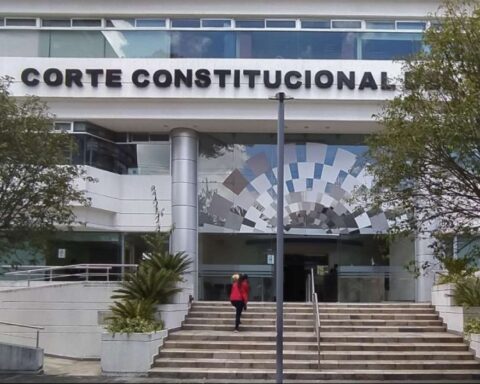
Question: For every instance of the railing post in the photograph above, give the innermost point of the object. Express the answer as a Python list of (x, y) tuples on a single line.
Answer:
[(51, 275), (86, 273), (107, 271), (38, 338)]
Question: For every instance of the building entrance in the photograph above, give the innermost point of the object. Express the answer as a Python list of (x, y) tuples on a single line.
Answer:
[(350, 268)]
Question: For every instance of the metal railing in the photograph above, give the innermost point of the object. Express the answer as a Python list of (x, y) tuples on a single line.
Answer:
[(37, 329), (316, 314), (74, 272)]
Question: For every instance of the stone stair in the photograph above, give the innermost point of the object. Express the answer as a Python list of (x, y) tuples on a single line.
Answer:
[(379, 342)]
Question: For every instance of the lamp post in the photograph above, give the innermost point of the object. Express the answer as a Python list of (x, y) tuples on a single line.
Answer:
[(279, 254)]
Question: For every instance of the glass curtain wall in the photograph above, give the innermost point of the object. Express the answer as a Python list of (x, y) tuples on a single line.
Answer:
[(341, 241), (210, 44)]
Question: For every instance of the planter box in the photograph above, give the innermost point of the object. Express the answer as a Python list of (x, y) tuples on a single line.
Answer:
[(130, 354), (453, 316), (475, 344), (172, 315), (442, 295)]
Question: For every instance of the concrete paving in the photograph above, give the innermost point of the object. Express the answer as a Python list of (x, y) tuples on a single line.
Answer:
[(59, 370)]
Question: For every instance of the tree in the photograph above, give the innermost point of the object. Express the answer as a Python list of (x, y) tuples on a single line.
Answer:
[(37, 190), (426, 160)]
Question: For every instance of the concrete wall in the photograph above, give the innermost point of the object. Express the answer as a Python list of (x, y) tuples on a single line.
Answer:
[(67, 311), (17, 358)]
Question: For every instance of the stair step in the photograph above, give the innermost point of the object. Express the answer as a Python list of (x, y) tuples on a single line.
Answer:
[(312, 346), (321, 304), (308, 322), (306, 328), (308, 316), (292, 374), (313, 364), (198, 353)]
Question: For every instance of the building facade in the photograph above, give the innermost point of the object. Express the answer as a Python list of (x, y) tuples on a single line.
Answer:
[(177, 96)]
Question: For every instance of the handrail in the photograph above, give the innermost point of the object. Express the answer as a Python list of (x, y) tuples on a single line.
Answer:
[(50, 269), (316, 314), (37, 329)]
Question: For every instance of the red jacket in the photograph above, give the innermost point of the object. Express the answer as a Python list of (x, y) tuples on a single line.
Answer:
[(238, 293), (245, 287)]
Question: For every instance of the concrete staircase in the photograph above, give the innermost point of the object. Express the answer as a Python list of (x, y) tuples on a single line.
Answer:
[(382, 341)]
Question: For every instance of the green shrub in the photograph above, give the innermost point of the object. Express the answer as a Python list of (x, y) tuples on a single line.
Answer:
[(471, 326), (457, 269), (467, 292), (133, 325)]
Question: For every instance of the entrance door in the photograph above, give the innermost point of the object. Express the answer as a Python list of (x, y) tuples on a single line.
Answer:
[(294, 278)]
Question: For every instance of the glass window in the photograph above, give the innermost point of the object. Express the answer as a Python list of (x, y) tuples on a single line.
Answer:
[(151, 23), (202, 44), (216, 23), (63, 126), (380, 24), (21, 44), (250, 23), (2, 21), (280, 23), (138, 137), (120, 23), (87, 23), (185, 23), (20, 22), (347, 24), (390, 46), (56, 23), (316, 24), (77, 44), (412, 25), (159, 137), (137, 43)]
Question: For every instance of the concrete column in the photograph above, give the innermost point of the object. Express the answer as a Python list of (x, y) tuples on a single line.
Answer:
[(184, 144), (423, 253)]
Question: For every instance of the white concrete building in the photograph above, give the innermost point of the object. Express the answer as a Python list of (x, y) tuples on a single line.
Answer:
[(176, 95)]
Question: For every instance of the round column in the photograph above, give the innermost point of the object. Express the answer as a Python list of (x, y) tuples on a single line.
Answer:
[(184, 144)]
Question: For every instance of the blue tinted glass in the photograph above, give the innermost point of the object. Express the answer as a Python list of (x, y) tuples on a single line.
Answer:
[(318, 24), (346, 24), (301, 153), (215, 23), (203, 44), (280, 23), (294, 170), (417, 25), (250, 23), (149, 23), (268, 45), (137, 43), (186, 23), (317, 173), (327, 45), (331, 153), (309, 184), (389, 46), (290, 187), (380, 25)]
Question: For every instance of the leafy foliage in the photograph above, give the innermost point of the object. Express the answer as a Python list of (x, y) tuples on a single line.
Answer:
[(467, 292), (155, 282), (144, 309), (457, 269), (426, 160), (133, 325), (36, 181), (149, 284), (471, 326)]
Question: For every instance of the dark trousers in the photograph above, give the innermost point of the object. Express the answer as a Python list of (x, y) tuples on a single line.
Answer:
[(239, 307)]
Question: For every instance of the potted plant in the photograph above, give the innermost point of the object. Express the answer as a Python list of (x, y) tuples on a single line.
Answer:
[(135, 330)]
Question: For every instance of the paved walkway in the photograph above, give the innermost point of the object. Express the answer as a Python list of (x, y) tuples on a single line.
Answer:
[(58, 370)]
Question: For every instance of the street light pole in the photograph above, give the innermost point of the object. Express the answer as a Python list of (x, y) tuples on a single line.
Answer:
[(279, 254)]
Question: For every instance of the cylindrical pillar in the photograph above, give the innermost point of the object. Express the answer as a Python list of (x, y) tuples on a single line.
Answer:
[(184, 144), (424, 256)]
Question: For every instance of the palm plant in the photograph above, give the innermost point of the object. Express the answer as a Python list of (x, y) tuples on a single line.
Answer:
[(467, 292), (149, 284)]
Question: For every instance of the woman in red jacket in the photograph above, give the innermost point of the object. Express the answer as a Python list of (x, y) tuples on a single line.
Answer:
[(237, 297)]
